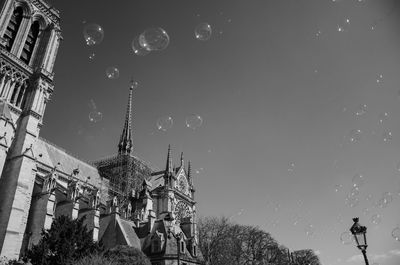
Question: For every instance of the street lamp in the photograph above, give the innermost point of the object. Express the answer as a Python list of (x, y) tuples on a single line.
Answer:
[(359, 232)]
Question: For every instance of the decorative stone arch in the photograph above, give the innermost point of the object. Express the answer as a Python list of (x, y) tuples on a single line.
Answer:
[(37, 29), (27, 10)]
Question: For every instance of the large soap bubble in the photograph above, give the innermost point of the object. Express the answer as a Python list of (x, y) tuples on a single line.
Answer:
[(93, 34), (137, 48), (154, 39), (203, 32)]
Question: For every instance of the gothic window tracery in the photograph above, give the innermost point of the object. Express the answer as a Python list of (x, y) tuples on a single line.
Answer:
[(182, 210)]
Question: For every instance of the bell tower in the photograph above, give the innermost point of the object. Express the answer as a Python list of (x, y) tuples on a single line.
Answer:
[(29, 39)]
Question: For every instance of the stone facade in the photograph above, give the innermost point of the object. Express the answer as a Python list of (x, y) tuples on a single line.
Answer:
[(125, 201)]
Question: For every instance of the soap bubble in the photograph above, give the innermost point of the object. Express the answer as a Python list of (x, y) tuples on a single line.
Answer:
[(93, 34), (366, 211), (95, 116), (344, 26), (338, 187), (203, 32), (376, 219), (352, 201), (309, 230), (137, 48), (346, 238), (291, 166), (164, 123), (369, 197), (355, 135), (386, 199), (383, 117), (379, 78), (354, 191), (361, 110), (396, 233), (154, 39), (358, 180), (92, 56), (194, 121), (134, 84), (387, 136), (112, 72)]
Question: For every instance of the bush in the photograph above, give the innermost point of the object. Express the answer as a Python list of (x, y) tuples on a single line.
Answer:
[(122, 255), (65, 241), (94, 259)]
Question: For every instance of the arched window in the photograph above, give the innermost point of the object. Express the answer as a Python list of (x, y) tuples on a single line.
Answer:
[(12, 28), (30, 42), (182, 247), (194, 251)]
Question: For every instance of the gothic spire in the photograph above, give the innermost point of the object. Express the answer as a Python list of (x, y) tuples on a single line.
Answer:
[(125, 143), (189, 172), (182, 161), (168, 168)]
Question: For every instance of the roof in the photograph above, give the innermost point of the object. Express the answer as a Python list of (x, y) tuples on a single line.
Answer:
[(51, 155)]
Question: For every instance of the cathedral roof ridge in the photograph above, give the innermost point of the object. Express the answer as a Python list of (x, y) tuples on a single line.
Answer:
[(115, 156), (66, 152)]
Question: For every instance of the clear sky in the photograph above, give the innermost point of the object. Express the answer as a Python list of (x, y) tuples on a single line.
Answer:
[(278, 87)]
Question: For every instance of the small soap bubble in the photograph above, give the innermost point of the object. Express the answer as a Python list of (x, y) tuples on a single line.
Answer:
[(92, 56), (137, 49), (361, 110), (396, 233), (352, 201), (354, 191), (203, 32), (318, 33), (164, 123), (291, 166), (277, 207), (296, 219), (346, 238), (383, 117), (369, 197), (338, 187), (344, 26), (95, 116), (358, 180), (366, 211), (134, 84), (376, 219), (387, 136), (112, 72), (154, 39), (93, 34), (309, 230), (355, 136), (379, 79), (385, 200), (194, 121)]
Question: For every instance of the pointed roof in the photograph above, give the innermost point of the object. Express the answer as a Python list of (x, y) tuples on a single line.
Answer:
[(125, 143)]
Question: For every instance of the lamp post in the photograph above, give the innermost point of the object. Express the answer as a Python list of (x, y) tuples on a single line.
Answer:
[(359, 232)]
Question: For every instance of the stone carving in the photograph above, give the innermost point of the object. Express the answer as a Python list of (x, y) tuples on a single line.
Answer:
[(94, 199), (50, 183), (74, 191)]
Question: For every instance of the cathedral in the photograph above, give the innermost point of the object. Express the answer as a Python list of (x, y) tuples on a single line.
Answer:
[(123, 199)]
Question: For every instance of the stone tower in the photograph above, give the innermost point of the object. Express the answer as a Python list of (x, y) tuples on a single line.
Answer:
[(29, 39)]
